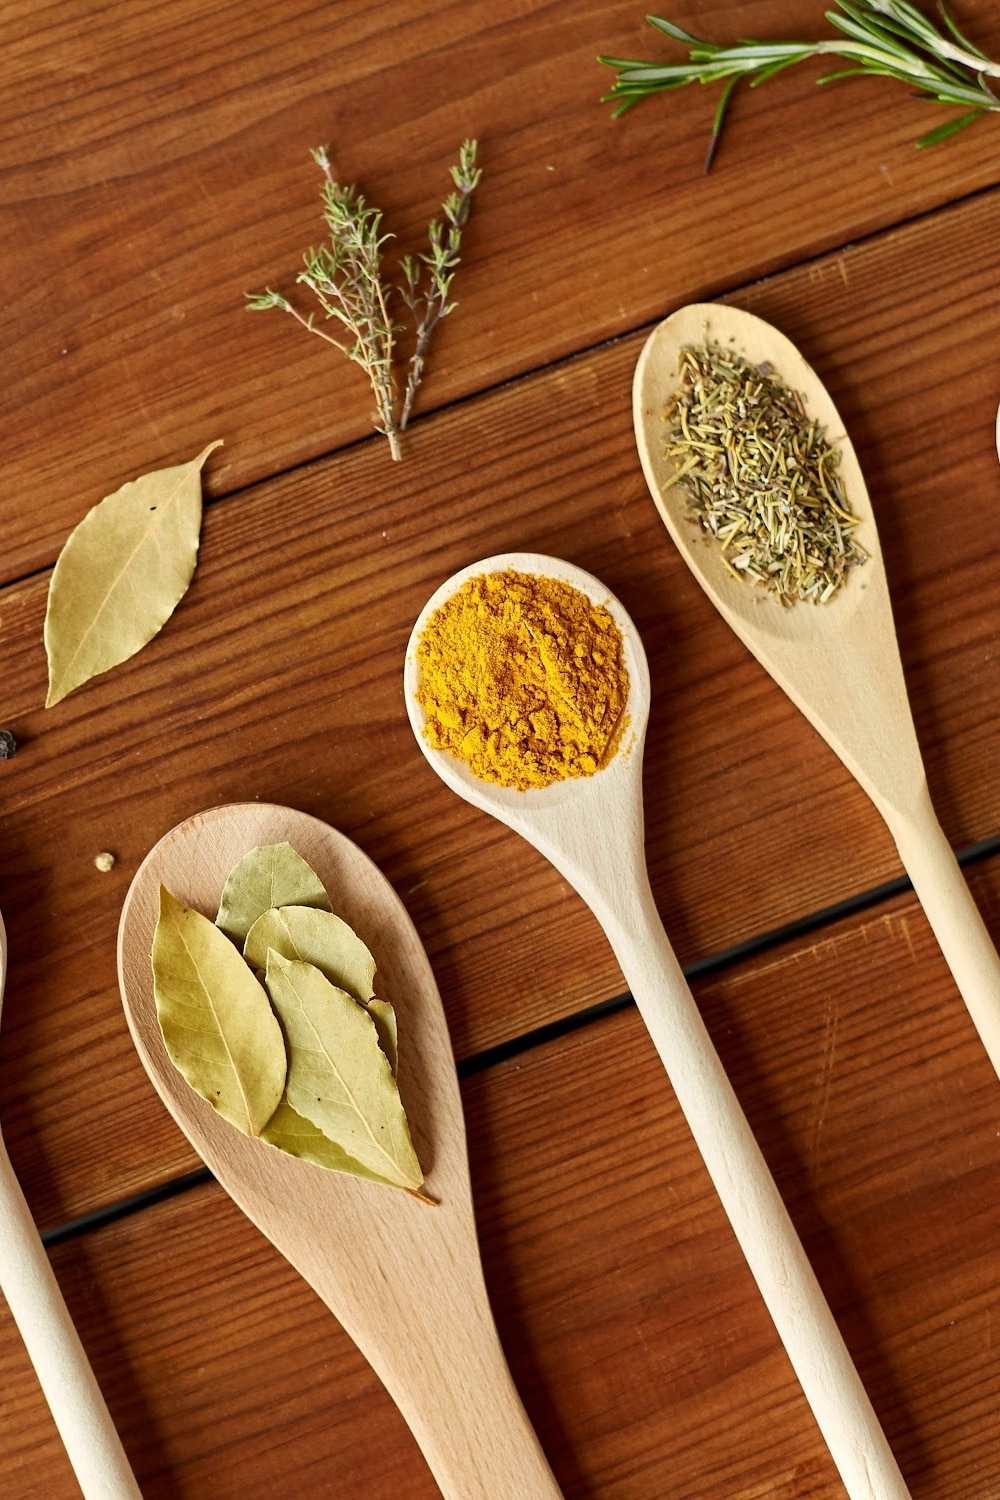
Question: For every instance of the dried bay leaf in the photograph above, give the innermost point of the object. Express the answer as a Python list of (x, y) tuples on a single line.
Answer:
[(217, 1023), (314, 937), (384, 1017), (338, 1075), (338, 1058), (327, 942), (290, 1132), (121, 574), (270, 875)]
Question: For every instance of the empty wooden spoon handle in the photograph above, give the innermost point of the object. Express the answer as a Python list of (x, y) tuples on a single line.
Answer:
[(954, 918), (447, 1373), (36, 1304), (748, 1193)]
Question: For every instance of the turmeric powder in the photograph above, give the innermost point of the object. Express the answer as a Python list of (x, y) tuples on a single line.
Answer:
[(523, 679)]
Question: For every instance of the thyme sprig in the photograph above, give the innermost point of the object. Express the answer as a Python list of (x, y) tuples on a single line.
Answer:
[(886, 38), (347, 275), (429, 276)]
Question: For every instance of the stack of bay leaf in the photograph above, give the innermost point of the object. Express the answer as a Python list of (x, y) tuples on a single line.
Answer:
[(269, 1013)]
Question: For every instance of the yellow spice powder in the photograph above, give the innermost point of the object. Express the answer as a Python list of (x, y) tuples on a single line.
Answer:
[(523, 679)]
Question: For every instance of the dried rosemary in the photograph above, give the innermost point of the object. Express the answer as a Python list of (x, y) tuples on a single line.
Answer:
[(760, 476)]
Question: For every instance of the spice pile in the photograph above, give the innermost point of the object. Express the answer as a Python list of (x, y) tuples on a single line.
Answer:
[(760, 476), (523, 679)]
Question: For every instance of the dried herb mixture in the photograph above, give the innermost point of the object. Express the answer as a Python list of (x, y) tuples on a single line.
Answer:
[(760, 476)]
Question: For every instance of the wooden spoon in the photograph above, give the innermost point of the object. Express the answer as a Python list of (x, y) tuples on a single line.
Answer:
[(64, 1373), (403, 1278), (591, 828), (839, 662)]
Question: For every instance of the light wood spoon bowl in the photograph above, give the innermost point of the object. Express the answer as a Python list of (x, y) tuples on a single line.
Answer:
[(839, 662), (591, 828), (64, 1373), (403, 1277)]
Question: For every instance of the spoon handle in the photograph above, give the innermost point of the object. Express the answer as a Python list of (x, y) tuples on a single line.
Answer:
[(748, 1193), (953, 915), (474, 1432), (68, 1384), (432, 1341)]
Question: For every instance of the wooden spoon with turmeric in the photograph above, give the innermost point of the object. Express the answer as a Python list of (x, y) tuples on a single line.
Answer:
[(591, 828)]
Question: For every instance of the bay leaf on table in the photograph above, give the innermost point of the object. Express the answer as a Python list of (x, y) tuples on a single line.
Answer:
[(217, 1023), (338, 1075), (314, 937), (292, 1133), (121, 574), (270, 875)]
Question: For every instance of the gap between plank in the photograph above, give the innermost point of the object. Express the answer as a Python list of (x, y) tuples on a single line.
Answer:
[(539, 1036)]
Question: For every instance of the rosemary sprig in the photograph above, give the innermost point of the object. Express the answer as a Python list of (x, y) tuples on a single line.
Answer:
[(888, 38), (348, 278)]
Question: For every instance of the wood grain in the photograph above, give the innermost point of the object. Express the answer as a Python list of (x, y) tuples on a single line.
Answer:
[(280, 678), (633, 1329), (154, 166)]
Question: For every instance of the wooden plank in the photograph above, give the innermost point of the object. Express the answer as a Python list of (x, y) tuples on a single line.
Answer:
[(280, 678), (154, 166), (632, 1326)]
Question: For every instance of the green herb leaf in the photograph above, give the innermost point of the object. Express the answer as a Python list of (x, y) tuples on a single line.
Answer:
[(338, 1076), (121, 574), (314, 937), (880, 39), (952, 127), (271, 875), (217, 1023)]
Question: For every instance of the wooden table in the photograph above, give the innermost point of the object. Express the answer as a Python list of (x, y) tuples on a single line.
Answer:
[(154, 166)]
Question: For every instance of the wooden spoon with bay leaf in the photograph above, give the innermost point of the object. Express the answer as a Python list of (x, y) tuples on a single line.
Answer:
[(838, 662), (403, 1277), (64, 1373), (591, 829)]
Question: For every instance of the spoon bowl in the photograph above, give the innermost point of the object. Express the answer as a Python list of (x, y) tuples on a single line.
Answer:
[(558, 817), (424, 1322), (64, 1373), (802, 643), (591, 829), (838, 662)]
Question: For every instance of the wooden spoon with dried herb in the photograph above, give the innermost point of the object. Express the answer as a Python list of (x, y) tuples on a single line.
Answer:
[(833, 651), (424, 1320), (591, 828)]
